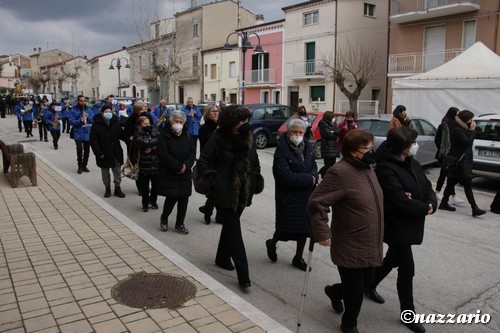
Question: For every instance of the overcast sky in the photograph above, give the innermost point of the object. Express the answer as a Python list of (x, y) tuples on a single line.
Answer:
[(93, 27)]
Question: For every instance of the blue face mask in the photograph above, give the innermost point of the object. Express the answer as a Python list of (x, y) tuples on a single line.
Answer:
[(107, 116)]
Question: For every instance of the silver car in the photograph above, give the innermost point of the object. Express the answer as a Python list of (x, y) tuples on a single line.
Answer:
[(378, 125), (486, 147)]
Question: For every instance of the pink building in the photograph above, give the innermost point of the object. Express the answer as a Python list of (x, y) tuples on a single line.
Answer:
[(264, 70)]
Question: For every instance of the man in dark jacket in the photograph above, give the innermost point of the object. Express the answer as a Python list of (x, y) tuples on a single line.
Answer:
[(105, 143)]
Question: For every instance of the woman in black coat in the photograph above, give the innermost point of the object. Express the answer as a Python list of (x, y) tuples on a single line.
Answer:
[(210, 115), (105, 142), (408, 199), (329, 135), (176, 150), (461, 137), (295, 175), (146, 140), (232, 154)]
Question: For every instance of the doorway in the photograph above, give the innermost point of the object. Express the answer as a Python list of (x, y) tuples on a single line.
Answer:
[(181, 94)]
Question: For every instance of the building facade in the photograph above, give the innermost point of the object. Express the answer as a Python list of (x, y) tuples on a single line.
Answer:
[(426, 34)]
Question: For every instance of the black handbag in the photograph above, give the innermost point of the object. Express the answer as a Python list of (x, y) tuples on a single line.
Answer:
[(203, 184), (452, 162)]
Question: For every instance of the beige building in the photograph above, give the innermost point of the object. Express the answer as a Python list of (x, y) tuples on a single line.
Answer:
[(315, 31), (198, 29), (426, 34), (220, 75), (105, 81)]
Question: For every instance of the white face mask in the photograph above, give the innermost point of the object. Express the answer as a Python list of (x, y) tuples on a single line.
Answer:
[(177, 128), (413, 149), (296, 139)]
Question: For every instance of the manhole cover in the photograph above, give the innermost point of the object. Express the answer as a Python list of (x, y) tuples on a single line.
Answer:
[(153, 291)]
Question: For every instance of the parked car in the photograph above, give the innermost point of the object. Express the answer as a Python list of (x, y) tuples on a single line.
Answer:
[(265, 121), (486, 147), (378, 126), (314, 119)]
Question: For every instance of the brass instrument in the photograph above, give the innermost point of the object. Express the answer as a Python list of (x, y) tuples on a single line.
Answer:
[(56, 120), (162, 118), (85, 116), (28, 108), (39, 118)]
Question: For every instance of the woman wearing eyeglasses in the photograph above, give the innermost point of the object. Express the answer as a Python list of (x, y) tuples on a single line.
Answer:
[(351, 191), (408, 199)]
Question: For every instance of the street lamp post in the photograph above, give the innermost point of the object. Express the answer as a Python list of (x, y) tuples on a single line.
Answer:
[(118, 66), (245, 45)]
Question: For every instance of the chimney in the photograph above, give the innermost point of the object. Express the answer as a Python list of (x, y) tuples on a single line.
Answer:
[(124, 47), (259, 19), (85, 57), (193, 3)]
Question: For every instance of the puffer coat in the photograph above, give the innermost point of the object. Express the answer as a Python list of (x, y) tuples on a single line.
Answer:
[(329, 135), (351, 189), (293, 179), (174, 151), (147, 141)]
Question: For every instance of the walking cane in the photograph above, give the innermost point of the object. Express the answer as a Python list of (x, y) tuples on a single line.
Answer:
[(306, 280)]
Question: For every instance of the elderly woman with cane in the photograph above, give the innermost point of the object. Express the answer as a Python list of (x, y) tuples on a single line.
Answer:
[(351, 189)]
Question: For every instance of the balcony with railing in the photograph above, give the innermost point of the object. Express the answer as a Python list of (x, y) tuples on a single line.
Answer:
[(419, 62), (302, 70), (260, 77), (403, 11)]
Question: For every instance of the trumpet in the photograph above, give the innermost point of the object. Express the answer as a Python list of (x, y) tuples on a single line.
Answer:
[(56, 120), (162, 118)]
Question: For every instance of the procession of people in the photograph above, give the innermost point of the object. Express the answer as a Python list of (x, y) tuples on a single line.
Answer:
[(374, 197)]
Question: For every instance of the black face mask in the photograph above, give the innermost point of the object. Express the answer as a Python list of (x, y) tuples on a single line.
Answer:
[(303, 114), (369, 157), (349, 122), (147, 128), (244, 129)]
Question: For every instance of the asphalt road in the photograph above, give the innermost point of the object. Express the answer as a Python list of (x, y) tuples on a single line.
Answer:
[(457, 266)]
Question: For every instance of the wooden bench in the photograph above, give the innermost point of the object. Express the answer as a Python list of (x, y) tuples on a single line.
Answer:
[(20, 163)]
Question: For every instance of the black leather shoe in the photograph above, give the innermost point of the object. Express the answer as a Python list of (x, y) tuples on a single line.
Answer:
[(415, 327), (271, 250), (337, 304), (352, 329), (206, 216), (245, 285), (446, 206), (85, 169), (163, 224), (154, 205), (300, 264), (476, 211), (107, 194), (181, 229), (80, 170), (118, 192), (374, 296), (229, 266), (145, 209)]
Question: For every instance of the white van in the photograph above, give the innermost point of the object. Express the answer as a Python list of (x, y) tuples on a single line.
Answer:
[(486, 147)]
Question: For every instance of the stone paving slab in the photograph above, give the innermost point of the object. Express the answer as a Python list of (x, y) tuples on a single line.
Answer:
[(62, 249)]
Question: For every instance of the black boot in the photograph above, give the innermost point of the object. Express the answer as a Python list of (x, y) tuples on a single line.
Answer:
[(80, 169), (374, 296), (118, 192), (445, 206), (85, 169), (107, 194), (476, 211)]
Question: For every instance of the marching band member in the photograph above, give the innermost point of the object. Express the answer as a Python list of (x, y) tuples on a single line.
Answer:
[(65, 107), (161, 114), (27, 116), (52, 119), (17, 112), (40, 108), (81, 119)]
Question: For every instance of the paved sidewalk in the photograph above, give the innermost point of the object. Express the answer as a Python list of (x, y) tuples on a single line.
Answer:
[(62, 249)]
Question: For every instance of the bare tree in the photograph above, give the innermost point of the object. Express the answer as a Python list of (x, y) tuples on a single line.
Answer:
[(353, 66)]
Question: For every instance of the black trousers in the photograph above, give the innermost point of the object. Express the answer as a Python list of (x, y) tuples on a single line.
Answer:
[(20, 124), (442, 177), (42, 130), (329, 162), (147, 195), (82, 152), (231, 244), (65, 125), (168, 206), (354, 280), (55, 137), (402, 258), (28, 127), (450, 189)]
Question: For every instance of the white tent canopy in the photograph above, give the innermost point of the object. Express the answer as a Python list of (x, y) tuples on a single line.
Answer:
[(469, 81)]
